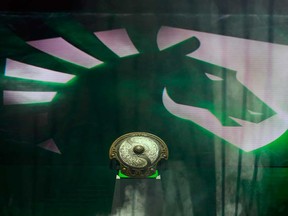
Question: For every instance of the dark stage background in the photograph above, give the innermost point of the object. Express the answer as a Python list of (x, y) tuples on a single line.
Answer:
[(54, 155)]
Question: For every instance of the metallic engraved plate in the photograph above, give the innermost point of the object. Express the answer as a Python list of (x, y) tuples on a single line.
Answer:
[(138, 153)]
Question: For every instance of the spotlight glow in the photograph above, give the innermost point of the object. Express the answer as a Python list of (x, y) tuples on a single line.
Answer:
[(26, 71), (168, 36), (27, 97), (118, 41), (50, 145), (60, 48)]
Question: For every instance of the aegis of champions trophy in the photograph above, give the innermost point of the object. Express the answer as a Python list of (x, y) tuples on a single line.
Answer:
[(138, 187), (137, 154)]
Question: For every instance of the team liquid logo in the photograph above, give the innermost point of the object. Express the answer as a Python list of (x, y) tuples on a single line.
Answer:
[(249, 81), (260, 67)]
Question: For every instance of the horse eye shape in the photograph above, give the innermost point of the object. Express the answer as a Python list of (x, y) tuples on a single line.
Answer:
[(213, 77), (254, 113)]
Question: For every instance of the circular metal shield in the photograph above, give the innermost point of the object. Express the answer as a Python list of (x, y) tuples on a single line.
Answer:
[(138, 153)]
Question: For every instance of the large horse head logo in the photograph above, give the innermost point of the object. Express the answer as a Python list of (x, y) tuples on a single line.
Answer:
[(248, 81), (234, 88)]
